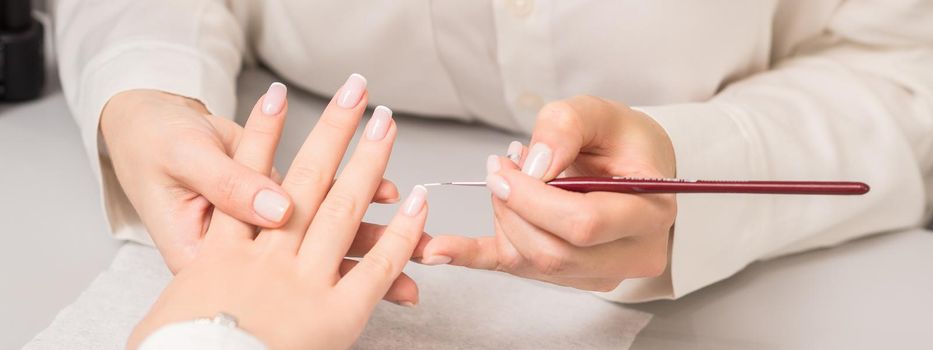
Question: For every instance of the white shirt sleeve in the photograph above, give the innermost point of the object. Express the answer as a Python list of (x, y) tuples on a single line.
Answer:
[(855, 104), (191, 48), (193, 335)]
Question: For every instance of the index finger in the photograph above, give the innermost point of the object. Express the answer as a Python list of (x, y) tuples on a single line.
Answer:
[(582, 219), (565, 128)]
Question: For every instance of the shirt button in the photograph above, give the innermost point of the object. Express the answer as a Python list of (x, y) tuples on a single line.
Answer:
[(521, 8), (530, 101)]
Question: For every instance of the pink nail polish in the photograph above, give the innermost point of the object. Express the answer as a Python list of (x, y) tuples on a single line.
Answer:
[(378, 124), (492, 164), (415, 201), (274, 100), (270, 205), (539, 159), (351, 91), (515, 152), (436, 260), (499, 187)]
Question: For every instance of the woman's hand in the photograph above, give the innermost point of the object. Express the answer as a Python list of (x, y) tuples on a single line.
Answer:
[(173, 160), (589, 241), (292, 287)]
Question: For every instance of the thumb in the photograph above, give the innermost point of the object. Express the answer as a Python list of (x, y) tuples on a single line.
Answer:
[(566, 128), (235, 189)]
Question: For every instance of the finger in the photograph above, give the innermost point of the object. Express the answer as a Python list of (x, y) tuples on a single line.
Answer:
[(230, 186), (586, 219), (368, 235), (404, 290), (369, 280), (256, 150), (475, 253), (564, 129), (312, 171), (387, 193), (335, 224), (276, 176), (228, 131), (516, 152)]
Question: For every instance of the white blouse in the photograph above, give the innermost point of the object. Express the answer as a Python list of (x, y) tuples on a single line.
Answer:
[(757, 89)]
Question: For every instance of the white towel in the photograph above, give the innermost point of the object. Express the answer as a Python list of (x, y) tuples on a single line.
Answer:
[(459, 308)]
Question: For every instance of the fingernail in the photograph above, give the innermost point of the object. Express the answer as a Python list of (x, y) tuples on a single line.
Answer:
[(539, 159), (492, 164), (515, 152), (270, 205), (415, 201), (274, 100), (405, 303), (379, 123), (436, 260), (499, 187), (351, 91)]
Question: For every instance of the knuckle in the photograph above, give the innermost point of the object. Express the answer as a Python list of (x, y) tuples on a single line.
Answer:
[(264, 130), (338, 122), (339, 206), (307, 176), (509, 261), (379, 264), (399, 233), (561, 116), (582, 229), (549, 263), (229, 186)]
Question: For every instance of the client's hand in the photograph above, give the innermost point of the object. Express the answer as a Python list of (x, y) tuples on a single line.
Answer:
[(173, 160), (292, 287), (589, 241)]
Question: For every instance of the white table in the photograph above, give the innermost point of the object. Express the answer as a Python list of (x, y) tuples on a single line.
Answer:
[(874, 292)]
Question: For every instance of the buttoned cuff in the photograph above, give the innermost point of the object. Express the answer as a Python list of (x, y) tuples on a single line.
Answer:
[(174, 69), (713, 236)]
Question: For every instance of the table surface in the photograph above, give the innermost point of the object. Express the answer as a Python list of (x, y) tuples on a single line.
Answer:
[(874, 292)]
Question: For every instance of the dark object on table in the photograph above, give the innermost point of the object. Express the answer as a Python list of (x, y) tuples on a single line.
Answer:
[(22, 65)]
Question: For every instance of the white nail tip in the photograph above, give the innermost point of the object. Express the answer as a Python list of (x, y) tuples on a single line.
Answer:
[(538, 161), (415, 201)]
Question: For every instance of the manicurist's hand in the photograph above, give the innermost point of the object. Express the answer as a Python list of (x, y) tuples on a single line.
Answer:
[(589, 241), (173, 160), (291, 287)]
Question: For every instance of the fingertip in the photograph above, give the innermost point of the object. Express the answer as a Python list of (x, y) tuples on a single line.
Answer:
[(273, 206), (387, 193), (416, 201)]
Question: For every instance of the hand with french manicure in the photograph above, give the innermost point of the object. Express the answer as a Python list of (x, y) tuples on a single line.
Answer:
[(292, 287), (174, 161), (590, 241)]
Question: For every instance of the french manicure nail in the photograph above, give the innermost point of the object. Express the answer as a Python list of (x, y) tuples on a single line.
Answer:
[(515, 152), (539, 159), (379, 123), (415, 201), (270, 205), (499, 187), (351, 91), (274, 100), (492, 164), (436, 260)]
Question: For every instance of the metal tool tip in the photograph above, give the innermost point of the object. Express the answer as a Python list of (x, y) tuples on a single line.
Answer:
[(432, 184)]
